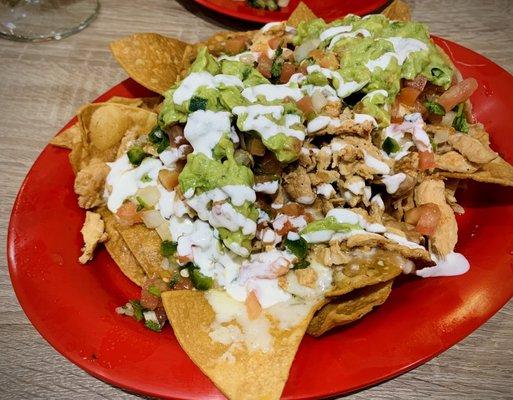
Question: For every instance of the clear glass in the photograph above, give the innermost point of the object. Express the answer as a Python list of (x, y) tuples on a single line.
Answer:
[(40, 20)]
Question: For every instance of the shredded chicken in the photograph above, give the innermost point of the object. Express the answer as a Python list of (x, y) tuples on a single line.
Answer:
[(89, 184), (93, 233), (446, 235), (472, 148)]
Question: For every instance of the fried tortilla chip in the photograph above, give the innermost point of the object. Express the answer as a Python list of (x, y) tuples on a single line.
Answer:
[(238, 372), (217, 43), (349, 308), (153, 60), (119, 251), (398, 10), (381, 267), (68, 138), (103, 126), (497, 171), (144, 243), (301, 14)]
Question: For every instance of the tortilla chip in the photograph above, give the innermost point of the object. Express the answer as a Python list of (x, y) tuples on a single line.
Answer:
[(119, 251), (152, 60), (301, 14), (144, 243), (398, 10), (69, 138), (497, 171), (243, 375), (346, 279), (216, 44), (349, 308), (104, 125)]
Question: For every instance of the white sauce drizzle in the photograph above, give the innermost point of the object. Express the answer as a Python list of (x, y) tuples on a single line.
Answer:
[(453, 264), (205, 128), (256, 120), (272, 92), (392, 182)]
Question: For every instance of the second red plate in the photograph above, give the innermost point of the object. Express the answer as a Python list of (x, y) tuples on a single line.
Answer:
[(327, 9)]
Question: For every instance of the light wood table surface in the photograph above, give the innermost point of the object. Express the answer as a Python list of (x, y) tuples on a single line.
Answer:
[(41, 85)]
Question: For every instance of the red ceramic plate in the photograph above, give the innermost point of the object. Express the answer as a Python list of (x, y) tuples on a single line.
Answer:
[(327, 9), (72, 305)]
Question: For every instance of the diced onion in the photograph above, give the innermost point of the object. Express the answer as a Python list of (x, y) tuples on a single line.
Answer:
[(301, 52), (152, 219), (441, 137), (448, 118), (150, 195), (164, 232), (247, 59), (318, 101)]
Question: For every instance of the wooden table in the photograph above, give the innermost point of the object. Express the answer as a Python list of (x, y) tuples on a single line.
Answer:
[(41, 85)]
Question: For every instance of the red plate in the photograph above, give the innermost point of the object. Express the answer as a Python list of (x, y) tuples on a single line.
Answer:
[(327, 9), (72, 305)]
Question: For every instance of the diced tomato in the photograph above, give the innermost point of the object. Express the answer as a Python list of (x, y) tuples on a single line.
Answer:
[(275, 42), (408, 96), (302, 68), (458, 93), (293, 209), (235, 45), (418, 83), (395, 117), (184, 284), (161, 315), (425, 217), (253, 306), (287, 70), (264, 65), (305, 105), (127, 214), (149, 300), (426, 160)]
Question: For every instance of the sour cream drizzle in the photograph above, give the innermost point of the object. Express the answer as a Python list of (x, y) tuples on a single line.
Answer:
[(257, 120), (195, 80)]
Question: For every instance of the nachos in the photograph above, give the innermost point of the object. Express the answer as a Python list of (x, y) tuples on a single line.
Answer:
[(284, 180)]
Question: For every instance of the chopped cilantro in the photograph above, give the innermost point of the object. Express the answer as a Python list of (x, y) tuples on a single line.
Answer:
[(434, 108), (277, 65), (390, 145), (136, 154), (197, 103), (297, 247), (301, 264), (460, 121), (141, 204), (155, 291), (152, 325), (168, 248), (138, 311), (174, 280)]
